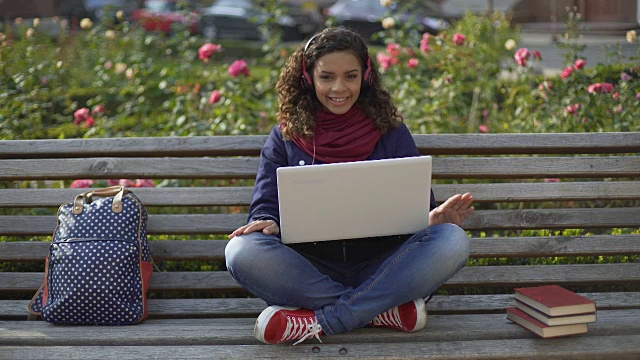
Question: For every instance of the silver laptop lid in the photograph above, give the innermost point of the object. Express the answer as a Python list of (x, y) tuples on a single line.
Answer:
[(354, 200)]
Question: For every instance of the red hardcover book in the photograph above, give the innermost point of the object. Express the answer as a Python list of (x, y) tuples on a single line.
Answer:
[(523, 319), (554, 300)]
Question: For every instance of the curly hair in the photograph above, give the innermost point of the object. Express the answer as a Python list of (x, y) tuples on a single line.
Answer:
[(298, 102)]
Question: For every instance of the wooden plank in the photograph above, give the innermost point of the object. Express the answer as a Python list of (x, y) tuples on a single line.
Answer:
[(522, 275), (241, 195), (567, 143), (551, 191), (535, 246), (434, 144), (252, 307), (538, 246), (239, 145), (585, 347), (553, 218), (143, 168), (192, 224), (160, 196), (157, 224), (245, 168), (238, 331)]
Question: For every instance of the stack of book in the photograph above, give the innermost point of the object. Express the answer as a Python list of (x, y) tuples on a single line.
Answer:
[(552, 311)]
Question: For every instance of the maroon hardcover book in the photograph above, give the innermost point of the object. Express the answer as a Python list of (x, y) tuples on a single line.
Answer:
[(554, 300), (523, 319)]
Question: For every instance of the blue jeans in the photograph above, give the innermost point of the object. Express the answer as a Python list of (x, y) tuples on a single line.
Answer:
[(344, 295)]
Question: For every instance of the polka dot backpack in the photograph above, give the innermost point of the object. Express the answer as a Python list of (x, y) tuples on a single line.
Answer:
[(99, 265)]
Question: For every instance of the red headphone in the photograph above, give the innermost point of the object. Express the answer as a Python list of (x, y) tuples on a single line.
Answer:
[(306, 80)]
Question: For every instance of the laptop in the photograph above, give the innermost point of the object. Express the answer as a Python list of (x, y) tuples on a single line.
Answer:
[(354, 200)]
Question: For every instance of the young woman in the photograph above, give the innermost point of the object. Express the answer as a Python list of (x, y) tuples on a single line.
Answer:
[(333, 109)]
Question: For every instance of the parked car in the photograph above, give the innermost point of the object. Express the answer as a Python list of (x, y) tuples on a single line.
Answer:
[(240, 19), (100, 9), (364, 16), (163, 16)]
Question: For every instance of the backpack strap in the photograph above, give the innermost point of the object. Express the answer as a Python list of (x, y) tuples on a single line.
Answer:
[(87, 198)]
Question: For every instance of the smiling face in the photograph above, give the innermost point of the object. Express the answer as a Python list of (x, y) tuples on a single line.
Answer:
[(337, 79)]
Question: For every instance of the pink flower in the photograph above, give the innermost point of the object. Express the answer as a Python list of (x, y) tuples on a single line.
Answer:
[(580, 63), (206, 51), (108, 65), (545, 85), (638, 96), (483, 128), (113, 182), (384, 60), (567, 72), (98, 109), (572, 109), (600, 88), (616, 95), (424, 43), (413, 62), (144, 183), (552, 180), (125, 182), (80, 184), (521, 56), (625, 77), (215, 97), (80, 116), (618, 109), (90, 122), (394, 49), (239, 67), (459, 39), (485, 113), (537, 55)]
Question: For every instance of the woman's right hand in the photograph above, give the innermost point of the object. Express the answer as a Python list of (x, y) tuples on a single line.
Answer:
[(268, 227)]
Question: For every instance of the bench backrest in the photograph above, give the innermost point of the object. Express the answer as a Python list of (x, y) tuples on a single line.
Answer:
[(527, 188)]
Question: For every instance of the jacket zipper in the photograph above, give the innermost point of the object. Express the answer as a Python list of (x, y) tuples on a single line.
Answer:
[(344, 251)]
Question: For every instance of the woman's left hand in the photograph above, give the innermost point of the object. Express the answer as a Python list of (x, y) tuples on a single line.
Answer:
[(455, 210)]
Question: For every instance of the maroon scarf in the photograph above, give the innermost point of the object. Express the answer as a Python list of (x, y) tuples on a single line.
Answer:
[(340, 138)]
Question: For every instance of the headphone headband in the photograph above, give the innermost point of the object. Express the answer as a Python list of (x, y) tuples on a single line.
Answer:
[(306, 78)]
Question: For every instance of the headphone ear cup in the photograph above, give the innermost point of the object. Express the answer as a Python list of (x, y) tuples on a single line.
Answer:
[(368, 78), (305, 79)]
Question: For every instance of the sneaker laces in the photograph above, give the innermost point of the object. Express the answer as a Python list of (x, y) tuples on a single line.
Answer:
[(390, 317), (301, 328)]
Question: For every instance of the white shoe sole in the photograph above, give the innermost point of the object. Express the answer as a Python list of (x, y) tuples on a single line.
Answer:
[(264, 318), (421, 308)]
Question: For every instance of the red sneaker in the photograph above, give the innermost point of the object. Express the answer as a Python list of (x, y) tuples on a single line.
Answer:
[(407, 317), (277, 324)]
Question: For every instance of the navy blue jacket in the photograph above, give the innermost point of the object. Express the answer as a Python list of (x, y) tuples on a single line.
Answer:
[(396, 143)]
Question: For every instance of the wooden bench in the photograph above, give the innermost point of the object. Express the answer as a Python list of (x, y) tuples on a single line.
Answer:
[(204, 314)]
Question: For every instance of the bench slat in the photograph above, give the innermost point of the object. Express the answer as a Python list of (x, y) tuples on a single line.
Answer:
[(468, 276), (161, 196), (567, 143), (165, 332), (240, 145), (245, 168), (251, 307), (213, 250), (586, 347), (482, 219), (241, 195), (435, 144)]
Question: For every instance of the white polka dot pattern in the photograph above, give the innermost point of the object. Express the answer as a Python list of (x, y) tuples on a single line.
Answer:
[(98, 266)]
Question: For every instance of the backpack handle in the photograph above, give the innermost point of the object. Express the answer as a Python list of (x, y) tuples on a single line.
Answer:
[(87, 198)]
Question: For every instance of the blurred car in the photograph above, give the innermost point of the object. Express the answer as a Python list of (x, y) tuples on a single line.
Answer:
[(163, 16), (240, 19), (100, 9), (364, 16)]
